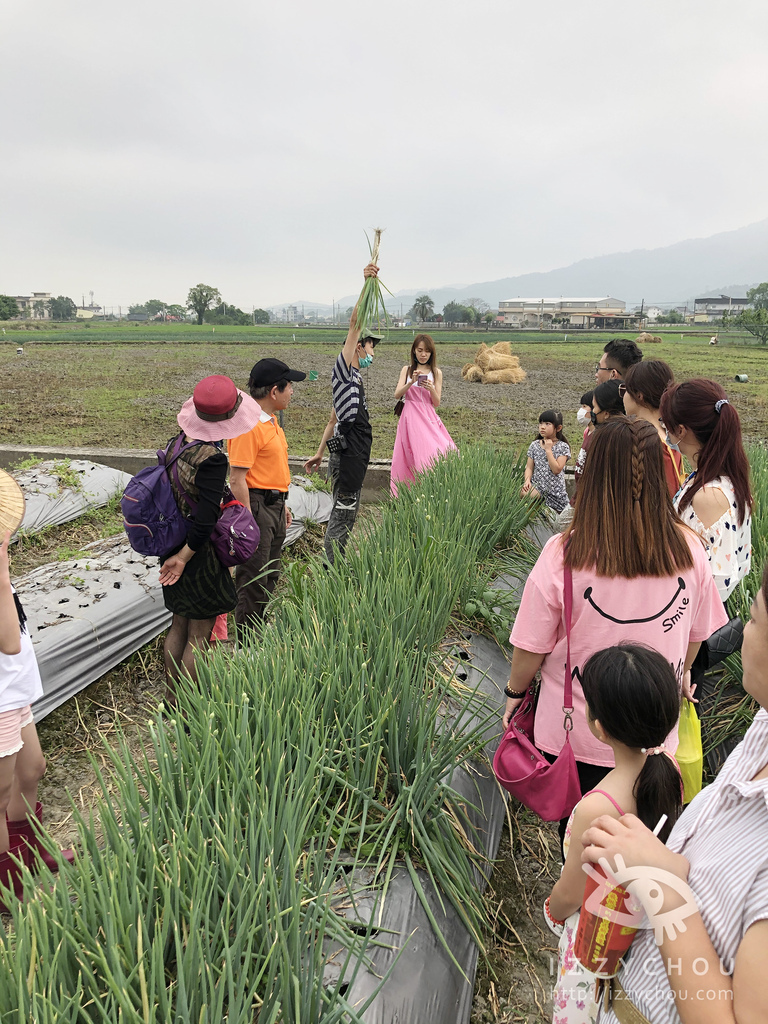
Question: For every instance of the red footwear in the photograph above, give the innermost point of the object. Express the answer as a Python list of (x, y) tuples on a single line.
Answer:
[(23, 835), (10, 875)]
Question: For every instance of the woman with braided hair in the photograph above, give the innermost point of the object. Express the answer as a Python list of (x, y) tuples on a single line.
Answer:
[(639, 577)]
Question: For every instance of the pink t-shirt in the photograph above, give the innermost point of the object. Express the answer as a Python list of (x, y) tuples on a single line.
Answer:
[(665, 614)]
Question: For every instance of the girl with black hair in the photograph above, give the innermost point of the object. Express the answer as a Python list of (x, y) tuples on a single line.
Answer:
[(633, 702), (607, 401), (547, 456)]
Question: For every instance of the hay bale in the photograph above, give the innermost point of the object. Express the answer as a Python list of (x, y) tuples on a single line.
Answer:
[(656, 339), (465, 369), (641, 339), (482, 356), (511, 375), (490, 359), (499, 362), (502, 348), (475, 374)]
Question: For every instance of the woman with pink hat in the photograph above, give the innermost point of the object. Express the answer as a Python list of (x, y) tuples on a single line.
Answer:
[(196, 586)]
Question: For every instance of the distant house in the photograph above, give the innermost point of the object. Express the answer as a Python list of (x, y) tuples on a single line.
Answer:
[(26, 304), (572, 312), (713, 308), (137, 317)]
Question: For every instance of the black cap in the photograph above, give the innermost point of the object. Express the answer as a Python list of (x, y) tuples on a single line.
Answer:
[(271, 371)]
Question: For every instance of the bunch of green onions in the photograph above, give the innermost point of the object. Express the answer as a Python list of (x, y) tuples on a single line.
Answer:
[(371, 314)]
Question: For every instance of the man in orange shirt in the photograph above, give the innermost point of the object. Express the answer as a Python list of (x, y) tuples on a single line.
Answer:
[(259, 477)]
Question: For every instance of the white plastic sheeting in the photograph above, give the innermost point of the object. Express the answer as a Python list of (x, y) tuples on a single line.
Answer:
[(89, 614), (48, 503)]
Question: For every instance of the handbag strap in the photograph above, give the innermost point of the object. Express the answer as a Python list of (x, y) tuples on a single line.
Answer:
[(568, 682)]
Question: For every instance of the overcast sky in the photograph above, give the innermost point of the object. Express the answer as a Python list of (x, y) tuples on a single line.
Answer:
[(247, 145)]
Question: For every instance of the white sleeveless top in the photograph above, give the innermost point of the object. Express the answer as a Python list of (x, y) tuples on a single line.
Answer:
[(729, 546)]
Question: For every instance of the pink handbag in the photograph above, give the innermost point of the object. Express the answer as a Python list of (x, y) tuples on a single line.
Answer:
[(552, 790)]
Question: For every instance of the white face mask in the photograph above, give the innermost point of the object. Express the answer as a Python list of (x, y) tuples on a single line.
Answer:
[(582, 416)]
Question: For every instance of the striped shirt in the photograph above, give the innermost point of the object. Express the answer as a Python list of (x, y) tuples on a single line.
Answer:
[(724, 836), (347, 388)]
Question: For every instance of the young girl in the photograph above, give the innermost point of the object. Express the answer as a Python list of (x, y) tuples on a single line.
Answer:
[(633, 702), (547, 457), (421, 436), (21, 760)]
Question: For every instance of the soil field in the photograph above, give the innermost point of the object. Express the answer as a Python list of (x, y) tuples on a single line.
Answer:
[(123, 389)]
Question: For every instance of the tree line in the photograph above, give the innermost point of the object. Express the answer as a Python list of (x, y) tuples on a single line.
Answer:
[(203, 300), (470, 311)]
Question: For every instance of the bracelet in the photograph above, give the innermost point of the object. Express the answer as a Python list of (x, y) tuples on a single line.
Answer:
[(514, 694), (548, 912)]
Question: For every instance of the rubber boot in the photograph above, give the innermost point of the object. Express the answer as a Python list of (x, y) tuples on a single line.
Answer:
[(22, 833), (10, 875)]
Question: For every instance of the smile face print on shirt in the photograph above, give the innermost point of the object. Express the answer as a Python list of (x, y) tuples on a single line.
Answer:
[(676, 607)]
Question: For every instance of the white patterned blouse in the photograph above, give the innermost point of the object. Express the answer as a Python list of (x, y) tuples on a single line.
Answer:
[(728, 543)]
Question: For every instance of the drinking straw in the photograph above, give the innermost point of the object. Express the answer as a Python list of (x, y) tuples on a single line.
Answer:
[(660, 824)]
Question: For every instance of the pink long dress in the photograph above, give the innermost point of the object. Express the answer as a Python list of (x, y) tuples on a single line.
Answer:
[(421, 437)]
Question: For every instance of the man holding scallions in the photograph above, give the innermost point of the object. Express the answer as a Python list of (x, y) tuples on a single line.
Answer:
[(348, 434)]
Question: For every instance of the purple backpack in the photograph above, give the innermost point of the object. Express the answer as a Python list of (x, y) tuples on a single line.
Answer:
[(151, 517)]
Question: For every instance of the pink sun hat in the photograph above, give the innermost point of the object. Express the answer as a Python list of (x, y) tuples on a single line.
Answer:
[(218, 411)]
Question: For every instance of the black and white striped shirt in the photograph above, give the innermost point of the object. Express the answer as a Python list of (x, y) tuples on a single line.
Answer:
[(347, 389), (724, 836)]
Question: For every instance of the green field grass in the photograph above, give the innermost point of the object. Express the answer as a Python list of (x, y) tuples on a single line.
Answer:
[(121, 386)]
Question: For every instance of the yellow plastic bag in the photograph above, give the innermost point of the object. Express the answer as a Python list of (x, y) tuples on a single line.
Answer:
[(690, 755)]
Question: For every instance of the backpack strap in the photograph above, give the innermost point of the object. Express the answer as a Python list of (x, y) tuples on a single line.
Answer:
[(178, 449), (171, 467)]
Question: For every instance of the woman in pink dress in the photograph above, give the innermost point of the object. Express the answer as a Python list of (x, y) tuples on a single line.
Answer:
[(421, 437)]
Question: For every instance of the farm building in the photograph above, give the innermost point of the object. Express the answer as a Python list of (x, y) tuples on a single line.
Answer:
[(713, 307), (574, 312)]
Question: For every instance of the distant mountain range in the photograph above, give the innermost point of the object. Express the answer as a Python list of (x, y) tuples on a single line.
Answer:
[(673, 274)]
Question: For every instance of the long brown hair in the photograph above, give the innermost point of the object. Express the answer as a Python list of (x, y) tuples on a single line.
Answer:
[(649, 378), (624, 523), (702, 406), (427, 339)]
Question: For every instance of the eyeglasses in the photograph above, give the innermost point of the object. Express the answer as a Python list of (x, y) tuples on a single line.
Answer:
[(598, 367)]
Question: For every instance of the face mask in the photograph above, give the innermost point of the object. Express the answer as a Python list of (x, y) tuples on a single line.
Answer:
[(365, 361), (582, 417), (672, 444), (593, 417)]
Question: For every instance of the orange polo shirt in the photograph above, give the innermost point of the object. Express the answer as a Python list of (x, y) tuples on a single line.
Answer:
[(263, 451)]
